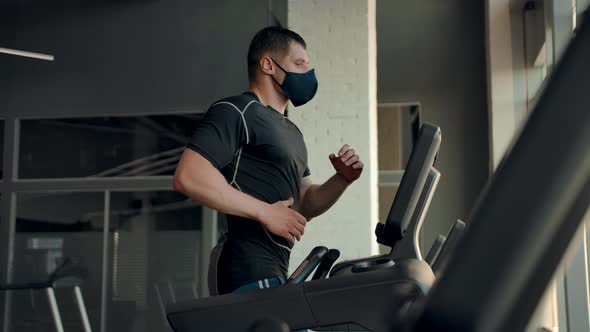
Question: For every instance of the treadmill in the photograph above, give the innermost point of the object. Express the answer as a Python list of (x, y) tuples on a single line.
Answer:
[(519, 233), (522, 228), (340, 301)]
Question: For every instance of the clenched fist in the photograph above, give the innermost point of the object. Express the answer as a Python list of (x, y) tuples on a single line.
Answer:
[(347, 164)]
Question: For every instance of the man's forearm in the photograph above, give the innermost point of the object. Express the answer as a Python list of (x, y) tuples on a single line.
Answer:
[(227, 200), (319, 198), (209, 188)]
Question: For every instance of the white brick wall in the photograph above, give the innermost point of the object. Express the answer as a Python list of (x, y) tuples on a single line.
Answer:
[(341, 44)]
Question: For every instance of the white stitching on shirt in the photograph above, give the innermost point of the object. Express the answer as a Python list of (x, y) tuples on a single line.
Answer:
[(264, 228), (241, 114), (240, 155), (237, 166)]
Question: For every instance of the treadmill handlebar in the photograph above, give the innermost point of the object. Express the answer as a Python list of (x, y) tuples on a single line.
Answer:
[(324, 268), (304, 269)]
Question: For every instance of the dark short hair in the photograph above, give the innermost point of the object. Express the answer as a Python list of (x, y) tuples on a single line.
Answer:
[(275, 40)]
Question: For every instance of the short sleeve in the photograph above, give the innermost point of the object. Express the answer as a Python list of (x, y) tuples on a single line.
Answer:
[(220, 134), (306, 172)]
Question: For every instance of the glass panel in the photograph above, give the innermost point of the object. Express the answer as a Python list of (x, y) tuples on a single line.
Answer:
[(536, 47), (398, 128), (389, 137), (52, 227), (155, 258), (103, 147)]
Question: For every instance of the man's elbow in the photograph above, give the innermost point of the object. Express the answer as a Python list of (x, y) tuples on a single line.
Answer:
[(179, 182), (305, 213)]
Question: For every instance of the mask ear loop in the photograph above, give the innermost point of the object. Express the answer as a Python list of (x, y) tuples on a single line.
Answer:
[(277, 82), (276, 63)]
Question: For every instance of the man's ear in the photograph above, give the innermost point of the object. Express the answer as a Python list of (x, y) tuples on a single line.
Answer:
[(266, 65)]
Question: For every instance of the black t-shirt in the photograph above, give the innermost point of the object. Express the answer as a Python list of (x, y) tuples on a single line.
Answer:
[(263, 154)]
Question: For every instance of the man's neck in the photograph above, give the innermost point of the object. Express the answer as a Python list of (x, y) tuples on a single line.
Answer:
[(269, 96)]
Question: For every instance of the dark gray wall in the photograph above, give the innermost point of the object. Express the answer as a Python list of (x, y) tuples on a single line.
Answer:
[(115, 57), (434, 52), (124, 57)]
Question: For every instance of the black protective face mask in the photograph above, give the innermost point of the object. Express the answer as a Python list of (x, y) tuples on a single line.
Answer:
[(298, 87)]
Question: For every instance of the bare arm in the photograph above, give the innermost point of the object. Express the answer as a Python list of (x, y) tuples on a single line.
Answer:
[(198, 179), (317, 199)]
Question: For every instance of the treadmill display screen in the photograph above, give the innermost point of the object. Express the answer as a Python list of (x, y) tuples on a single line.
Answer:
[(421, 160)]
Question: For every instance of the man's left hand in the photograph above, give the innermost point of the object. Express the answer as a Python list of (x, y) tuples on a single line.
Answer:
[(347, 164)]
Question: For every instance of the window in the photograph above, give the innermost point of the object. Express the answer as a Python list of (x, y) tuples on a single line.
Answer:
[(548, 27), (103, 147), (155, 258), (51, 227), (98, 191)]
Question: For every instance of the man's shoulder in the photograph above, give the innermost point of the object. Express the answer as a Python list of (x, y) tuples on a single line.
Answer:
[(238, 102)]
